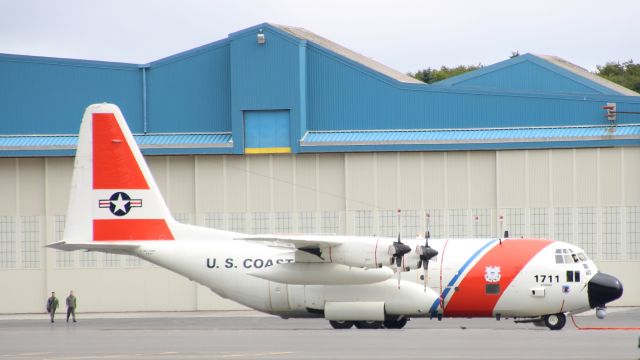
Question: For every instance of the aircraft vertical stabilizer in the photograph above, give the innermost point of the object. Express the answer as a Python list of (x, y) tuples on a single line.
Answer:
[(113, 195)]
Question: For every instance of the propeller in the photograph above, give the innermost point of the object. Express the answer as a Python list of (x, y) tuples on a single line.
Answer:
[(426, 253), (397, 250)]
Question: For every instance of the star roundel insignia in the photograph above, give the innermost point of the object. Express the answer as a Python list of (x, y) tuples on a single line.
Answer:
[(120, 203)]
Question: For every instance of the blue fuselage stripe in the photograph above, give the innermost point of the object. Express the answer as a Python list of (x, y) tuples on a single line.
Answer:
[(464, 266)]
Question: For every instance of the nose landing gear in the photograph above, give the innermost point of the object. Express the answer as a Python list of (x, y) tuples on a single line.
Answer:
[(555, 321)]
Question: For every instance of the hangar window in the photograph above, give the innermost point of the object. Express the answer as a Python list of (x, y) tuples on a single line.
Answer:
[(586, 230), (388, 222), (306, 222), (633, 232), (260, 223), (563, 224), (7, 242), (30, 234), (515, 222), (539, 221), (237, 222), (410, 220), (362, 220), (132, 261), (214, 220), (111, 260), (481, 222), (330, 222), (436, 220), (88, 259), (457, 223), (283, 222), (64, 259), (610, 233)]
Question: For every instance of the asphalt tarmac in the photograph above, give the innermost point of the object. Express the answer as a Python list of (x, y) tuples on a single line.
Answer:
[(251, 335)]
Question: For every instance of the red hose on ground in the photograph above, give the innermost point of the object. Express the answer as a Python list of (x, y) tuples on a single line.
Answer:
[(603, 328)]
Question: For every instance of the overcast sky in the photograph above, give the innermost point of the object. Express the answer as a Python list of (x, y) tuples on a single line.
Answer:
[(407, 35)]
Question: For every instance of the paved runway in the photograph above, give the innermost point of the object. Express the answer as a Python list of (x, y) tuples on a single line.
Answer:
[(249, 335)]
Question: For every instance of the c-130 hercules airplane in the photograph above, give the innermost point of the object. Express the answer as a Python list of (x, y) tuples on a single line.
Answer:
[(116, 207)]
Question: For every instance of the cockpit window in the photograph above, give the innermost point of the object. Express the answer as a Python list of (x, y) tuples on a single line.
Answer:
[(567, 256)]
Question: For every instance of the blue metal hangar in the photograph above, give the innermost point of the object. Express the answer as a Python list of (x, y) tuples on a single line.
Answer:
[(277, 129)]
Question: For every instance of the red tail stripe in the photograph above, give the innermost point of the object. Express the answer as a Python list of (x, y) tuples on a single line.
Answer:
[(114, 166), (131, 229)]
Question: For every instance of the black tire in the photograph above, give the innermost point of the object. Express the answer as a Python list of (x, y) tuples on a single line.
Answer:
[(395, 322), (555, 321), (341, 324), (368, 324)]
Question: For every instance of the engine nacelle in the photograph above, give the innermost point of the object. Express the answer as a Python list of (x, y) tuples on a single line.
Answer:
[(411, 261), (359, 252)]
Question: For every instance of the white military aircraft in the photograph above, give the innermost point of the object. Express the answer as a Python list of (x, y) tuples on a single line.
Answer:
[(116, 207)]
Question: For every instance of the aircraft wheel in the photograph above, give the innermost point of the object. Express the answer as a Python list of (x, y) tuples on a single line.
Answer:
[(555, 321), (395, 322), (341, 324), (368, 324)]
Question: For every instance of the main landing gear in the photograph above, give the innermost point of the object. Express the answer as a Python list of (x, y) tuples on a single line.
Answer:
[(390, 322)]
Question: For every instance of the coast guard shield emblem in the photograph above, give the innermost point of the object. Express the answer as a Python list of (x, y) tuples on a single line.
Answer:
[(492, 274)]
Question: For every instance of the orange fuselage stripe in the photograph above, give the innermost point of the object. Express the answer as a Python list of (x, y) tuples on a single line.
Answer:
[(471, 299)]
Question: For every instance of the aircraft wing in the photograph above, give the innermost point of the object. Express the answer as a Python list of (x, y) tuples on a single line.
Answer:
[(302, 242), (120, 248)]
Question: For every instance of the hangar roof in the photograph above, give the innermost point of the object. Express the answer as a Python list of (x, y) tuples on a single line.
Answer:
[(305, 34), (320, 95), (534, 72)]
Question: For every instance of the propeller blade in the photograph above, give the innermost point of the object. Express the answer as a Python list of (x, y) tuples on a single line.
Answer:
[(425, 273)]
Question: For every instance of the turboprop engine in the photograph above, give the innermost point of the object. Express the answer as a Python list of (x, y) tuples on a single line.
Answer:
[(359, 252)]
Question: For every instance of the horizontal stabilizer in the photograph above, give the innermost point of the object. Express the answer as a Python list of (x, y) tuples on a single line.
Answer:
[(116, 248)]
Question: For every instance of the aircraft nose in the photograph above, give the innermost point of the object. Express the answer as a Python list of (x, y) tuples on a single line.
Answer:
[(603, 288)]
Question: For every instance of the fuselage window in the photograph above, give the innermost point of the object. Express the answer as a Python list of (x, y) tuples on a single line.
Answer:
[(573, 276), (493, 289)]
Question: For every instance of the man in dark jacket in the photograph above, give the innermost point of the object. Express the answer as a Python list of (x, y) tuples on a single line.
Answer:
[(72, 303), (52, 305)]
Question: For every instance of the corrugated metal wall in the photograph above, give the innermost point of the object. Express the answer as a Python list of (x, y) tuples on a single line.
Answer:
[(48, 96), (265, 77), (207, 89), (191, 94), (343, 96)]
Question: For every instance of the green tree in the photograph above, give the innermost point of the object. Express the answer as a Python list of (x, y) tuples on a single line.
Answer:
[(626, 74), (430, 75)]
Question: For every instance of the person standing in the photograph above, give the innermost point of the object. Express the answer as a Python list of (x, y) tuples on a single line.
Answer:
[(72, 302), (52, 305)]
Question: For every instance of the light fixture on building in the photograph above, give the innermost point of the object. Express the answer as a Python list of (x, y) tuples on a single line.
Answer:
[(261, 39), (611, 111)]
